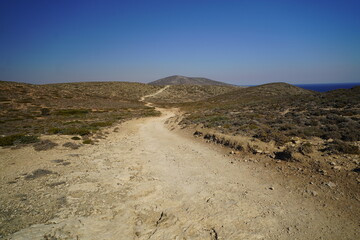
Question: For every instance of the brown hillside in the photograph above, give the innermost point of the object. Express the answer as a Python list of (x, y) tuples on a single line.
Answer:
[(280, 112), (190, 93), (77, 108), (182, 80)]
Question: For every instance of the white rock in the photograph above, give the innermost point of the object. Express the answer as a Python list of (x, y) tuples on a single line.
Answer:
[(331, 184)]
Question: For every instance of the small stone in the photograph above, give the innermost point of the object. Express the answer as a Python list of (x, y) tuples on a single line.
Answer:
[(314, 193), (337, 168), (331, 184)]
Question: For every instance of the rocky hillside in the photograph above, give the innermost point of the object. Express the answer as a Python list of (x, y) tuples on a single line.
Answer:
[(182, 80)]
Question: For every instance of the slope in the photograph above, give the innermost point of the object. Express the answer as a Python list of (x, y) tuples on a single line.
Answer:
[(182, 80)]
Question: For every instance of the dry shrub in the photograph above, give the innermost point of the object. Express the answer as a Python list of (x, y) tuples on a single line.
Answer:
[(44, 145), (339, 146), (17, 139), (306, 148), (286, 155), (71, 145), (38, 173)]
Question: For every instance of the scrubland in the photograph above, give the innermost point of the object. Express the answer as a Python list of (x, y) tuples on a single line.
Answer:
[(70, 108)]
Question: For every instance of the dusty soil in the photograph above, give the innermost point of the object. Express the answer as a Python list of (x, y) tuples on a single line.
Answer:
[(149, 180)]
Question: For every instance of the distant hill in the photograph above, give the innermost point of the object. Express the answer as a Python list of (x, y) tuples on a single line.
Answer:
[(182, 80), (275, 89), (280, 111), (263, 92)]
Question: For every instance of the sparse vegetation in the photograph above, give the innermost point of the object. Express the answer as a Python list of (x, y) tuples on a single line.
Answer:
[(306, 148), (44, 145), (17, 139), (342, 147), (71, 145), (87, 141), (71, 131), (279, 112), (189, 93), (38, 173), (69, 112), (63, 109)]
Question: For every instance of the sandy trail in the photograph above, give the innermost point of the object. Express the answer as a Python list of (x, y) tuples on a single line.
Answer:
[(142, 99), (147, 182)]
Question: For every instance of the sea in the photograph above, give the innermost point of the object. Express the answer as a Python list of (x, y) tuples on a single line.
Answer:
[(324, 87)]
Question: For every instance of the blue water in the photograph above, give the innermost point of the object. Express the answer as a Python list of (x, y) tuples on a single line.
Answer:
[(324, 87)]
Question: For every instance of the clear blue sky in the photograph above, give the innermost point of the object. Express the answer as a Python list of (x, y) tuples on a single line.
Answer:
[(240, 42)]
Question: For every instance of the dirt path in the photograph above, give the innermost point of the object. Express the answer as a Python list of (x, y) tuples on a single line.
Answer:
[(142, 99), (147, 182)]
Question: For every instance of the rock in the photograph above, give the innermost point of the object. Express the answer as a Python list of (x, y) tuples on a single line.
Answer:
[(314, 193), (257, 151), (271, 188), (338, 168), (331, 184)]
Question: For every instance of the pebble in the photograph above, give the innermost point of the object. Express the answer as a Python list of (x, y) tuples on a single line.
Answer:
[(337, 168), (331, 184), (314, 193)]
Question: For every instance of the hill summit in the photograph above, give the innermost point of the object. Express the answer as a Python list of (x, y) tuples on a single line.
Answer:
[(182, 80)]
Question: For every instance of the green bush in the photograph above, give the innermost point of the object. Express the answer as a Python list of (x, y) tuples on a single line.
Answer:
[(70, 131), (17, 138), (101, 124), (69, 112), (87, 141)]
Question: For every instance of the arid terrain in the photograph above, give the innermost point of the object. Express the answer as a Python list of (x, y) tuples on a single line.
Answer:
[(183, 80), (214, 162)]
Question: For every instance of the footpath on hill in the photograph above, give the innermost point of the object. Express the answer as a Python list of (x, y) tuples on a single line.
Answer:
[(145, 181)]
